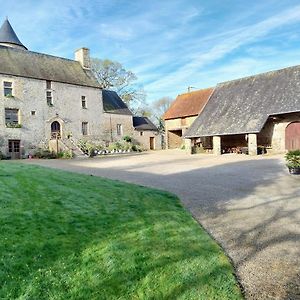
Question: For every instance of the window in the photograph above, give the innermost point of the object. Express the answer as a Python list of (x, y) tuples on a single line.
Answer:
[(83, 102), (49, 98), (7, 88), (33, 112), (48, 85), (13, 146), (119, 129), (49, 93), (141, 133), (11, 116), (84, 128)]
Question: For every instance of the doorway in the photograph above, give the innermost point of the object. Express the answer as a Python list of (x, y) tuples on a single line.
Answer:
[(14, 149), (152, 143), (55, 130), (292, 136)]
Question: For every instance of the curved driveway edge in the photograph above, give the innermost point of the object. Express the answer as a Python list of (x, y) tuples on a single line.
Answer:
[(251, 206)]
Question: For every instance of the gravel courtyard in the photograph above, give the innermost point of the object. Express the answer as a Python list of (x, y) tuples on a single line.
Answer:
[(250, 205)]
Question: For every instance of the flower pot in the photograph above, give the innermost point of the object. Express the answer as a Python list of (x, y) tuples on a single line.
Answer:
[(294, 170)]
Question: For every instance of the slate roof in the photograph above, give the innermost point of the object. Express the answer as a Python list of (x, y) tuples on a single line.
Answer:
[(46, 67), (244, 105), (143, 124), (7, 35), (112, 103), (189, 104)]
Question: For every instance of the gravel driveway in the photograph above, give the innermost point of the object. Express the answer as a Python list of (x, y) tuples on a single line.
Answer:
[(251, 206)]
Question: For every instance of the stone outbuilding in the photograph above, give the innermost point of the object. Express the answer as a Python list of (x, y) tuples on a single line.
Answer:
[(181, 115), (147, 134), (253, 114)]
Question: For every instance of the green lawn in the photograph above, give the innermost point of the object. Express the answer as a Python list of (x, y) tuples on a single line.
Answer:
[(71, 236)]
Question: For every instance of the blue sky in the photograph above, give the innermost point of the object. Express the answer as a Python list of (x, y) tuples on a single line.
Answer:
[(169, 44)]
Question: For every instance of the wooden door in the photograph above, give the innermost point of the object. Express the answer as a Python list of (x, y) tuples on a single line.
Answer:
[(152, 147), (292, 136), (14, 149)]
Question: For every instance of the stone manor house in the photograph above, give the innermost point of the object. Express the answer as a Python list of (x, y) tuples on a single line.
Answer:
[(48, 100)]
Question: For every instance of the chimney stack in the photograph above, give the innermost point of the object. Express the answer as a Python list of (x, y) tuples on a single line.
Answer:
[(83, 56)]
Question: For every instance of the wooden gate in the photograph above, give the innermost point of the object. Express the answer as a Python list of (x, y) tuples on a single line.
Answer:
[(292, 136)]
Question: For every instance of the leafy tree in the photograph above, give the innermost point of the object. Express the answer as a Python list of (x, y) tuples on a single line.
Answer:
[(112, 75)]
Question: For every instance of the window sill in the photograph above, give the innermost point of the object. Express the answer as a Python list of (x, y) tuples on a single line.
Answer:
[(9, 96), (9, 125)]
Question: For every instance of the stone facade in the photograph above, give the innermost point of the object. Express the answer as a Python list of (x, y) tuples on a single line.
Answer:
[(36, 116), (148, 139), (175, 129)]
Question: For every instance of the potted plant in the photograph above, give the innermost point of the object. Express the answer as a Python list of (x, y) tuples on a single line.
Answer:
[(293, 161)]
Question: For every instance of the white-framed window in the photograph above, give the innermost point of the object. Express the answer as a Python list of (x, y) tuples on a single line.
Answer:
[(49, 97), (11, 116), (84, 128), (119, 129), (8, 88), (83, 102)]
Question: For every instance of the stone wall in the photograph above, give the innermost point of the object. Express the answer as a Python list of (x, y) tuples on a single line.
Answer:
[(172, 138), (143, 138)]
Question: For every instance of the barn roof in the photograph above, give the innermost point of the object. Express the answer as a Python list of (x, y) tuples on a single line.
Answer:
[(30, 64), (189, 104), (7, 35), (143, 123), (112, 103), (244, 105)]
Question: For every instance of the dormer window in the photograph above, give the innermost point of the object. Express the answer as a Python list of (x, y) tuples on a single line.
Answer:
[(8, 90)]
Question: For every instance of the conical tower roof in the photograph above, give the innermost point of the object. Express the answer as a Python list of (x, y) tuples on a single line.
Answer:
[(8, 36)]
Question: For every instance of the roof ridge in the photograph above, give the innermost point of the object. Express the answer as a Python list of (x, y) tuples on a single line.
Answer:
[(257, 75), (187, 93), (38, 53)]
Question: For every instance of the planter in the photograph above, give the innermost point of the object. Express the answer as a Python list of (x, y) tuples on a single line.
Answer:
[(294, 170)]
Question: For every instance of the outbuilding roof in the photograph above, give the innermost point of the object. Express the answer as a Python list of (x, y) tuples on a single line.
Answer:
[(7, 35), (143, 124), (189, 104), (112, 103), (46, 67), (244, 105)]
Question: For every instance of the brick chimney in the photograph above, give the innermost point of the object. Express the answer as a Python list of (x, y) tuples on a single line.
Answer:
[(83, 56)]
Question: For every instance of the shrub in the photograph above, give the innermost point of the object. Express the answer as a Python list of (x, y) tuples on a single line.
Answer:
[(89, 148), (127, 139), (66, 154), (44, 153), (293, 159)]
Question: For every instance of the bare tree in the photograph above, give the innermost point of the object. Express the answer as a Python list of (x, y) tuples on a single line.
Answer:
[(112, 75), (159, 107)]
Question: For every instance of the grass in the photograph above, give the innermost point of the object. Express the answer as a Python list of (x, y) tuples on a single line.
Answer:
[(71, 236)]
